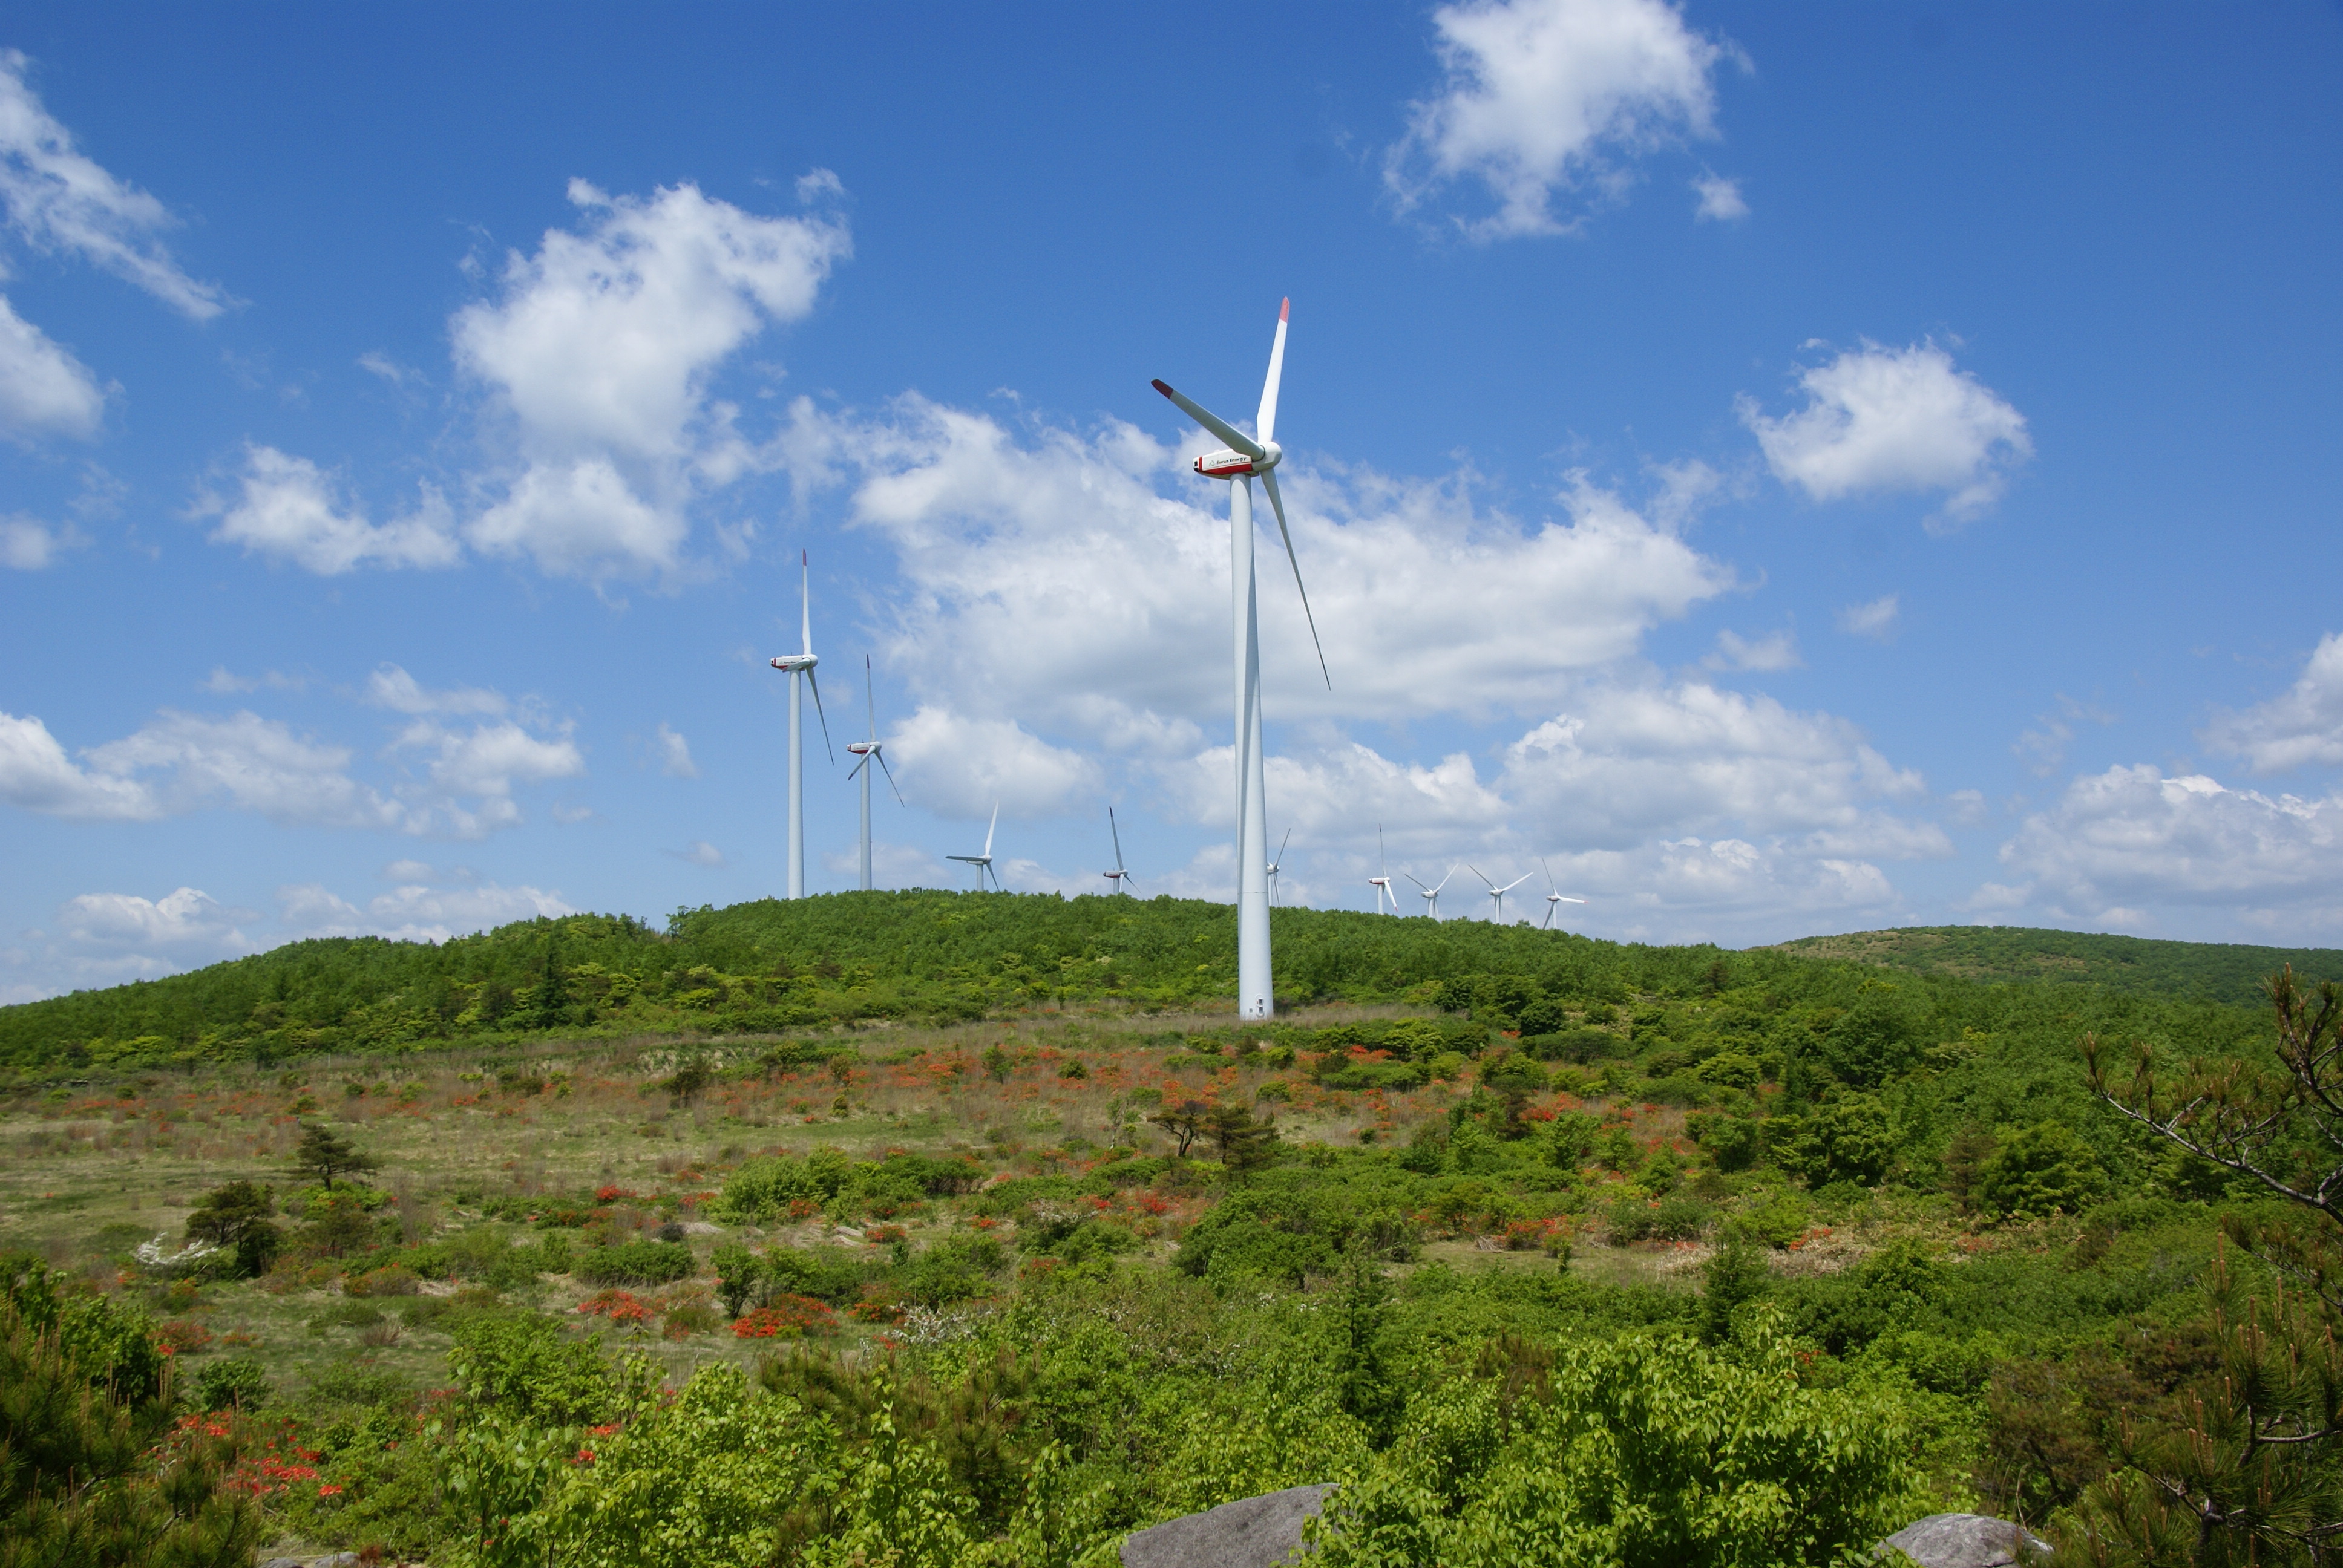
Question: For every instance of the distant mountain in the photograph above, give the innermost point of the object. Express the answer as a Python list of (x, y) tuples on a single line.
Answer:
[(2208, 972)]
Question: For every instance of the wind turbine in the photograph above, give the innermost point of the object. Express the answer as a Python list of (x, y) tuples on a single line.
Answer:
[(1554, 896), (794, 664), (1119, 877), (1274, 864), (1499, 893), (983, 863), (870, 750), (1382, 884), (1239, 462), (1431, 895)]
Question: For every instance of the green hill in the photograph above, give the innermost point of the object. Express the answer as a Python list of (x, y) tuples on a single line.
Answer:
[(2209, 971)]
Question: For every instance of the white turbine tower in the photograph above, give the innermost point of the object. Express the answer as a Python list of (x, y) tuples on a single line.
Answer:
[(1431, 895), (1554, 896), (1498, 893), (795, 664), (1119, 877), (983, 863), (1382, 884), (870, 750), (1242, 459), (1274, 864)]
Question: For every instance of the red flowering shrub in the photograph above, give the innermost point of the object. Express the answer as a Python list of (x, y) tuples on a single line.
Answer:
[(619, 1306), (787, 1317), (181, 1335)]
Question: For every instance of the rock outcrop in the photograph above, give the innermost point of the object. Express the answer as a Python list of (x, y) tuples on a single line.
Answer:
[(1966, 1541), (1256, 1533)]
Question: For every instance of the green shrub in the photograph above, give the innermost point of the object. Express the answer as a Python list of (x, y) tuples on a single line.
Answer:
[(2042, 1170), (235, 1382), (528, 1367), (634, 1263)]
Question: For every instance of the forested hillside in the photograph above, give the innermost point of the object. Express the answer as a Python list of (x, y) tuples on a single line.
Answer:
[(2214, 971)]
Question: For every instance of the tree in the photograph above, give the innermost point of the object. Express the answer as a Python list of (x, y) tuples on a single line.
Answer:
[(1184, 1121), (2251, 1469), (1245, 1143), (2043, 1171), (236, 1217), (326, 1153)]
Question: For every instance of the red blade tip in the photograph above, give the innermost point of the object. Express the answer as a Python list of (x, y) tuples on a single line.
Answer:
[(1283, 305), (1161, 387)]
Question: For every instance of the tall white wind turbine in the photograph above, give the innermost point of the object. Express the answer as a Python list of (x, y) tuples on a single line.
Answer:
[(1431, 895), (1274, 864), (1119, 877), (1239, 462), (983, 863), (1382, 884), (794, 664), (1554, 898), (1497, 894), (870, 750)]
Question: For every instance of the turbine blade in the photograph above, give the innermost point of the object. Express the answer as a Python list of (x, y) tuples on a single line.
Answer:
[(1443, 882), (820, 715), (859, 767), (1215, 422), (1280, 846), (890, 779), (1476, 871), (1118, 838), (1411, 877), (1266, 422), (1517, 882), (870, 691), (1566, 898), (1277, 505), (988, 832), (805, 602)]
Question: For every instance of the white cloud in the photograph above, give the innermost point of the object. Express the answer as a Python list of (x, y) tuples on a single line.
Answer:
[(1883, 420), (36, 774), (59, 199), (1775, 650), (675, 755), (480, 765), (1544, 97), (601, 348), (1876, 619), (700, 852), (2045, 746), (1039, 576), (1720, 200), (2130, 839), (961, 767), (287, 508), (1968, 807), (186, 917), (242, 763), (414, 913), (43, 389), (391, 687), (2302, 726), (222, 681), (28, 545)]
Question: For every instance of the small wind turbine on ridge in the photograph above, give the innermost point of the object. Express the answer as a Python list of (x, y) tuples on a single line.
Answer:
[(870, 750), (1554, 896), (1119, 877), (1498, 893), (983, 863), (1382, 884), (1274, 865), (794, 664), (1241, 461), (1431, 895)]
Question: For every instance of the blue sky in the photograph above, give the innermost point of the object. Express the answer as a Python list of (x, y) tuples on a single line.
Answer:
[(1788, 468)]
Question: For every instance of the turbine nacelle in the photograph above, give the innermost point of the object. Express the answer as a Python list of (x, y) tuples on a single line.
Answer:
[(794, 662), (1230, 464)]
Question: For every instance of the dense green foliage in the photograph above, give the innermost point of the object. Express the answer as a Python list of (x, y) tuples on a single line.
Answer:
[(2212, 971)]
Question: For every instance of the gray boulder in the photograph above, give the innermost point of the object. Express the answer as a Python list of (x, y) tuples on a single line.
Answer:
[(1966, 1541), (1255, 1532), (284, 1562)]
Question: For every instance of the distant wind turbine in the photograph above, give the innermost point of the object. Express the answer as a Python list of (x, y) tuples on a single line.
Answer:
[(1274, 864), (1382, 884), (794, 664), (1239, 462), (1554, 896), (983, 863), (1119, 877), (870, 750), (1431, 895), (1498, 893)]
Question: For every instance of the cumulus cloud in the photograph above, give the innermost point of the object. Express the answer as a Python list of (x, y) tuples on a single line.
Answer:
[(675, 755), (414, 911), (700, 852), (43, 389), (2131, 839), (287, 508), (1040, 574), (1885, 420), (391, 687), (1875, 619), (36, 774), (2044, 747), (599, 349), (59, 199), (1775, 650), (962, 767), (185, 762), (28, 545), (186, 917), (2303, 725), (1543, 97), (1720, 200), (471, 772)]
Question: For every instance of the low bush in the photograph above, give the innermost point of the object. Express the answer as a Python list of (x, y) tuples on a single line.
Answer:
[(634, 1263)]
